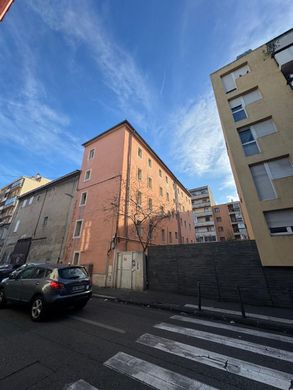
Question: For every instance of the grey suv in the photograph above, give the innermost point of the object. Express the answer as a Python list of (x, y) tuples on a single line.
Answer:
[(44, 285)]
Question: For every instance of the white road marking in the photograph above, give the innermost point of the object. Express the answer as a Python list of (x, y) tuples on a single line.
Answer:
[(279, 379), (252, 332), (100, 324), (237, 313), (80, 385), (229, 341), (153, 375)]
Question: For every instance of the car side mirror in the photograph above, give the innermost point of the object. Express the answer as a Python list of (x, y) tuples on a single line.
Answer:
[(11, 276)]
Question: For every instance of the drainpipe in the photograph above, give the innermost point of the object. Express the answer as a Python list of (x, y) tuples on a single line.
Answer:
[(127, 190)]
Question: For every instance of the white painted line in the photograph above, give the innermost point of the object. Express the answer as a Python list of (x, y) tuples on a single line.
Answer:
[(229, 341), (237, 313), (234, 328), (279, 379), (80, 385), (153, 375), (100, 324)]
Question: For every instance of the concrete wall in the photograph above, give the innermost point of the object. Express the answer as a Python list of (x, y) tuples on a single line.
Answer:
[(220, 267)]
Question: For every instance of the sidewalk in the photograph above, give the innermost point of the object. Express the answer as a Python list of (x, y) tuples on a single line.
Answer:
[(264, 317)]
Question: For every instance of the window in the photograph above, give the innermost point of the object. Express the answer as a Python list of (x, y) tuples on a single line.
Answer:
[(45, 221), (280, 221), (162, 210), (176, 235), (238, 104), (185, 224), (149, 162), (31, 200), (91, 154), (139, 152), (138, 198), (77, 230), (181, 221), (139, 174), (229, 80), (28, 273), (219, 219), (187, 240), (76, 256), (216, 209), (220, 229), (249, 136), (16, 226), (168, 196), (83, 199), (161, 191), (263, 175), (207, 218), (24, 203), (170, 237), (189, 226), (166, 179), (139, 228), (160, 172), (150, 204), (150, 182), (87, 175), (163, 234)]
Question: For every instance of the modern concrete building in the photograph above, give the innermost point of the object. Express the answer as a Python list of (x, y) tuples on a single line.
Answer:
[(202, 202), (229, 222), (125, 195), (38, 229), (9, 199), (255, 101)]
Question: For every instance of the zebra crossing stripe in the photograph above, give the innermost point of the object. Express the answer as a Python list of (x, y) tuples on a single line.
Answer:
[(252, 332), (80, 385), (153, 375), (237, 313), (229, 341), (278, 379)]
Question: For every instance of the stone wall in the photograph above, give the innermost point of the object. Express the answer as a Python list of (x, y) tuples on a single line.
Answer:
[(219, 267)]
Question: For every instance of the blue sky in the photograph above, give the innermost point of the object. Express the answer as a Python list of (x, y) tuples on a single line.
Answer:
[(72, 69)]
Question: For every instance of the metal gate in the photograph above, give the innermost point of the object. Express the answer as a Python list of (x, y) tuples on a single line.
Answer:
[(130, 270)]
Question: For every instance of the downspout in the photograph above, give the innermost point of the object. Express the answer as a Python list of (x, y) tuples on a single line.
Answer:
[(127, 191)]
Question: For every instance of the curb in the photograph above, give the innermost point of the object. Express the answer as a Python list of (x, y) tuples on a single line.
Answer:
[(263, 324)]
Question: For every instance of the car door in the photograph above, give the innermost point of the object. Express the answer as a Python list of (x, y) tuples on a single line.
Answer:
[(27, 284), (13, 286)]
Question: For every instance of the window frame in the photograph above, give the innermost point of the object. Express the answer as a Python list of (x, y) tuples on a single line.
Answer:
[(255, 138), (89, 155), (81, 227), (73, 258), (90, 175), (83, 204), (139, 152)]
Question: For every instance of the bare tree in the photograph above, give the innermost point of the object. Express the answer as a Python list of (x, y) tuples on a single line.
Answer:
[(138, 205)]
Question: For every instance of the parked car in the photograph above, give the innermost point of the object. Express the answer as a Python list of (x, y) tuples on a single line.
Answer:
[(6, 269), (43, 286)]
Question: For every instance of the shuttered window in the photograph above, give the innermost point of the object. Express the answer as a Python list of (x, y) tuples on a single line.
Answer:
[(280, 221), (238, 104), (229, 80)]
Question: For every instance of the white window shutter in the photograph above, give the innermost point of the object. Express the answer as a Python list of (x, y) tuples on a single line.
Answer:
[(228, 82), (279, 218), (264, 128), (281, 167), (262, 182), (284, 56), (235, 102), (241, 71), (252, 97)]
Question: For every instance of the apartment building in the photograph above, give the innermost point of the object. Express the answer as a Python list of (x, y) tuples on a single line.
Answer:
[(125, 195), (229, 222), (202, 202), (9, 199), (254, 96), (37, 232)]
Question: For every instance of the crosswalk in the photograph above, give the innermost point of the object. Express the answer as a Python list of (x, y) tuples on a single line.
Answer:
[(183, 338)]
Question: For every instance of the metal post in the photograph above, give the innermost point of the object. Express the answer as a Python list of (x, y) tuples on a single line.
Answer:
[(199, 296), (241, 302)]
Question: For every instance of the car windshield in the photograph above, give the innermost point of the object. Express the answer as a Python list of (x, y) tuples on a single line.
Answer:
[(73, 273)]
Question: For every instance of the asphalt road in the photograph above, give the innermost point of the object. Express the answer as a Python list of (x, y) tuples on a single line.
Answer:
[(116, 346)]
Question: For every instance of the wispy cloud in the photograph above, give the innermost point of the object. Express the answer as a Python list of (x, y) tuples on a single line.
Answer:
[(119, 69)]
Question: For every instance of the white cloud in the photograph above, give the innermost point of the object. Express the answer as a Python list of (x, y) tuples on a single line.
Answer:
[(120, 72)]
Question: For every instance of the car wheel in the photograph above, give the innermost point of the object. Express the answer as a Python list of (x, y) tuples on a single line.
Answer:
[(2, 298), (80, 305), (38, 308)]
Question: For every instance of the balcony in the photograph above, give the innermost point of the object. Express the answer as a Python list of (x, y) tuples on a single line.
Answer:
[(203, 223), (203, 214)]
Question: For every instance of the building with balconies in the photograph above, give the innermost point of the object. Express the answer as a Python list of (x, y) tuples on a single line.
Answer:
[(254, 96), (9, 198), (202, 201), (229, 222)]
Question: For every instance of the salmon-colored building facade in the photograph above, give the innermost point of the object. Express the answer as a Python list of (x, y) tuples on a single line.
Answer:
[(122, 179)]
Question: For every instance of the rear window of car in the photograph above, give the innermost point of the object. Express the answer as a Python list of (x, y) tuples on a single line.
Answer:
[(73, 273)]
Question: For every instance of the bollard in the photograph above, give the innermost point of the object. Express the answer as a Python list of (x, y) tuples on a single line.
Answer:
[(199, 296), (241, 302)]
